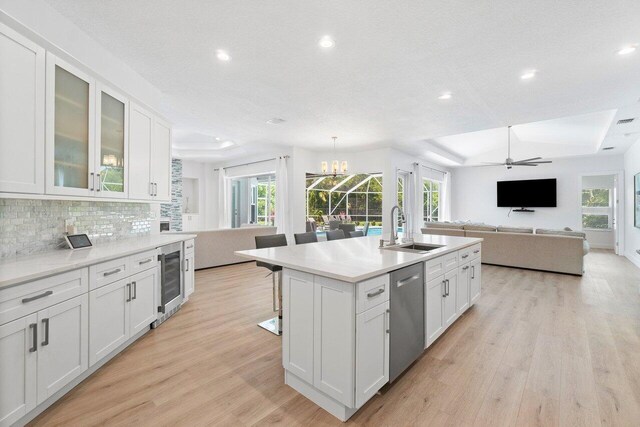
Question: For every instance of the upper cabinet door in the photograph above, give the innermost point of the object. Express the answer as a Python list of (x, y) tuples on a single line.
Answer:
[(22, 83), (112, 143), (140, 130), (70, 130), (161, 161)]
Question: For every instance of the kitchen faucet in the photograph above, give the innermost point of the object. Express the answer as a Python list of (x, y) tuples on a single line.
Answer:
[(394, 231)]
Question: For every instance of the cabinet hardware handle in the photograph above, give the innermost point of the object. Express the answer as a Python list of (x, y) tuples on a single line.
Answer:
[(444, 288), (447, 280), (34, 343), (146, 261), (45, 325), (91, 181), (155, 189), (466, 267), (134, 285), (473, 271), (376, 293), (465, 256), (187, 262), (476, 251), (42, 295), (109, 273), (386, 318), (98, 186), (407, 280), (128, 292), (151, 188), (189, 247)]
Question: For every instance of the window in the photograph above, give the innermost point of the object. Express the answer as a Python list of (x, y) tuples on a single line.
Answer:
[(253, 200), (264, 194), (597, 209), (431, 199)]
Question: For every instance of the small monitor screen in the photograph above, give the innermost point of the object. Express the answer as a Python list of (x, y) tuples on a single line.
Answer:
[(78, 241)]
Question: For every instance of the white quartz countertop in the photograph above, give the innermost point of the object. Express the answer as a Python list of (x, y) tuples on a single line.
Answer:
[(356, 259), (21, 269)]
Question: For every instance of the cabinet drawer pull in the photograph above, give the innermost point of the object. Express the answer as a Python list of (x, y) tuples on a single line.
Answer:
[(187, 264), (443, 287), (405, 281), (465, 256), (476, 251), (146, 261), (34, 332), (189, 247), (42, 295), (91, 181), (128, 292), (376, 293), (45, 326), (99, 183), (134, 285), (466, 267), (386, 319), (109, 273), (473, 271)]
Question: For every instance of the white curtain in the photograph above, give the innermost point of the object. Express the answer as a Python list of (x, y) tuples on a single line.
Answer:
[(445, 198), (224, 200), (409, 202), (283, 216), (418, 210)]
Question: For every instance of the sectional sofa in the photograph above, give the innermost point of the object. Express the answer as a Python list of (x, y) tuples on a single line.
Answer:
[(560, 251)]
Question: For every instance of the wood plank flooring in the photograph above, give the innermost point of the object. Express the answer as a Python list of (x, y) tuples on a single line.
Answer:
[(537, 349)]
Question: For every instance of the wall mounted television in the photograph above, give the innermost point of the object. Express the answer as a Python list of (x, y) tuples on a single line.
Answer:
[(530, 193)]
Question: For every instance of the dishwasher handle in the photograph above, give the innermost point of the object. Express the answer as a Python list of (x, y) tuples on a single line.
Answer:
[(403, 282)]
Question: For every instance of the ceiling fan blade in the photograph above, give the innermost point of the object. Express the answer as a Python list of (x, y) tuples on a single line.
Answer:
[(525, 164), (528, 160), (541, 161)]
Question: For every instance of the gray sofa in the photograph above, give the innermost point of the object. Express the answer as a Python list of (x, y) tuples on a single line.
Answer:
[(558, 251), (215, 248)]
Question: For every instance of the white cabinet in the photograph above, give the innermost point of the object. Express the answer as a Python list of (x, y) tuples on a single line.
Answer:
[(433, 305), (475, 281), (372, 352), (191, 222), (297, 329), (120, 310), (18, 367), (161, 160), (189, 274), (143, 304), (70, 130), (112, 143), (333, 339), (149, 156), (108, 319), (462, 289), (22, 91), (449, 309), (63, 347)]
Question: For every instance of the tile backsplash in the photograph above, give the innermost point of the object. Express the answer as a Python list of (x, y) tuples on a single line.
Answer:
[(32, 226)]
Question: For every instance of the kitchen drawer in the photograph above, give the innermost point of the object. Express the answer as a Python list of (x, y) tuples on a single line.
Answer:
[(464, 255), (143, 261), (109, 272), (476, 251), (21, 300), (440, 265), (372, 292), (189, 246)]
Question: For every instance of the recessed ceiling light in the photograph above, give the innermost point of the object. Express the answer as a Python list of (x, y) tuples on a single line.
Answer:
[(528, 75), (223, 55), (275, 121), (217, 138), (627, 49), (446, 95), (326, 42)]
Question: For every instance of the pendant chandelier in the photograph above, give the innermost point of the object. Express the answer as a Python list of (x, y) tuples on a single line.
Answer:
[(337, 167)]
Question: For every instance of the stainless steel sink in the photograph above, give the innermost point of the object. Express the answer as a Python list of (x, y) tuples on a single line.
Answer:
[(417, 248)]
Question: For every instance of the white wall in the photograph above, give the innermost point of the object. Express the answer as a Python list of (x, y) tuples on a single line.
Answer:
[(474, 192), (632, 234)]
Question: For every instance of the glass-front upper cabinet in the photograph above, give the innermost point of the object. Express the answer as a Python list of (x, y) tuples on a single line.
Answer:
[(112, 143), (70, 130)]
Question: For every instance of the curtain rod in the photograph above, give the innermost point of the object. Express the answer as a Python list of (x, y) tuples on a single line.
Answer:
[(252, 163), (430, 168)]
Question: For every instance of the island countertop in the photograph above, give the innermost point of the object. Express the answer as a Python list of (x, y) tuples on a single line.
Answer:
[(356, 259), (26, 268)]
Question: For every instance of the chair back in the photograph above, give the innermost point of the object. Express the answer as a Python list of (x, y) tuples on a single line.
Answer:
[(356, 234), (365, 230), (271, 241), (335, 235), (333, 224), (302, 238), (347, 228)]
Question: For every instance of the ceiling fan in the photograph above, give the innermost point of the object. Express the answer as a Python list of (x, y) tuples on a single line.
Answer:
[(509, 162)]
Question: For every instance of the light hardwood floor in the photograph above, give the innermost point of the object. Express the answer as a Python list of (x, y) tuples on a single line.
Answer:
[(537, 349)]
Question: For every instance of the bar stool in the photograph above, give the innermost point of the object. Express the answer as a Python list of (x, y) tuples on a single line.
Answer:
[(273, 325), (335, 235), (302, 238)]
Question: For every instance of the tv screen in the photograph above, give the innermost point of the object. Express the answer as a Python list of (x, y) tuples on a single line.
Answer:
[(531, 193)]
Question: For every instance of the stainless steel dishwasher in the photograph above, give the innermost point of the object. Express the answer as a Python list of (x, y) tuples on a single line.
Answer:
[(406, 318)]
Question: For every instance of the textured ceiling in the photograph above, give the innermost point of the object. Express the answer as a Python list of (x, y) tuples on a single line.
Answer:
[(379, 85)]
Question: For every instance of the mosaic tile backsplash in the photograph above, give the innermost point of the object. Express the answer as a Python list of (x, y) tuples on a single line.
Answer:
[(173, 210), (32, 226)]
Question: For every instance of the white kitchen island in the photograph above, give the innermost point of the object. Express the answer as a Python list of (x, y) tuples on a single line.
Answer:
[(336, 300)]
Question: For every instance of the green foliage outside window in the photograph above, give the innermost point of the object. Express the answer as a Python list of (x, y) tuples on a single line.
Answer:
[(595, 221), (595, 198)]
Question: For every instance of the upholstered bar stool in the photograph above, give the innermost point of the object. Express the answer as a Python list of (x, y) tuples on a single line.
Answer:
[(273, 325)]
